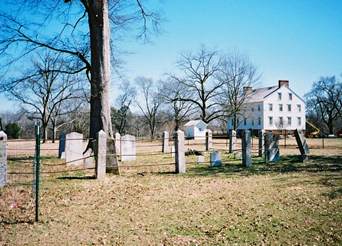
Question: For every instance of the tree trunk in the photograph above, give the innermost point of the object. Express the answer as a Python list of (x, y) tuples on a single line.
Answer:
[(45, 131), (100, 68), (100, 119), (330, 126)]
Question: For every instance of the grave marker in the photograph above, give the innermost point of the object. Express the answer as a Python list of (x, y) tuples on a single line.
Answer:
[(246, 148), (74, 149), (302, 144), (272, 153), (128, 148), (261, 147), (180, 152), (3, 159), (215, 159), (232, 141), (165, 147), (61, 146)]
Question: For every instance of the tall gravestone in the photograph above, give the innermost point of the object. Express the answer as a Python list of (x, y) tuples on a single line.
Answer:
[(272, 153), (165, 147), (246, 148), (101, 151), (74, 149), (61, 146), (180, 152), (302, 144), (128, 148), (215, 159), (118, 144), (208, 140), (232, 141), (3, 159), (261, 146)]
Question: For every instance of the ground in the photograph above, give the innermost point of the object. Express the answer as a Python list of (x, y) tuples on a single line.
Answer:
[(285, 203)]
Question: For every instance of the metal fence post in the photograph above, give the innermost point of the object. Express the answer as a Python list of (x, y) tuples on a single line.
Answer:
[(37, 171)]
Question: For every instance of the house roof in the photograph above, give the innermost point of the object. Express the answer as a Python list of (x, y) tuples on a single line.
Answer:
[(195, 123), (260, 94)]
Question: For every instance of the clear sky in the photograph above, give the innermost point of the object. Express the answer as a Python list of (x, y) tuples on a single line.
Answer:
[(298, 40)]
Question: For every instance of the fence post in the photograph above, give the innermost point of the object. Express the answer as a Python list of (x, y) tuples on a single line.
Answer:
[(246, 148), (165, 147), (232, 141), (3, 159), (208, 140), (180, 154), (37, 171), (100, 155), (261, 146)]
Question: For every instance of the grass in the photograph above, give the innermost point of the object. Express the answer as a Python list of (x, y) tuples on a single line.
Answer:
[(289, 203)]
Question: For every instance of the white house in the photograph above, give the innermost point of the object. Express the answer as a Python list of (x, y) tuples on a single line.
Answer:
[(195, 129), (271, 108)]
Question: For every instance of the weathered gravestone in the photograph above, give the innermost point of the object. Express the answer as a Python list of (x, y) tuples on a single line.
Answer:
[(165, 147), (74, 149), (272, 153), (261, 147), (208, 140), (180, 152), (61, 146), (118, 143), (128, 148), (215, 159), (3, 159), (302, 144), (232, 141), (101, 151), (246, 148)]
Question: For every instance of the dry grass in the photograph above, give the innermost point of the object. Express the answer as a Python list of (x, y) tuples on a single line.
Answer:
[(284, 203)]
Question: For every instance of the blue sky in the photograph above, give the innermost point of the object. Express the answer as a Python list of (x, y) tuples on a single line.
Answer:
[(295, 40)]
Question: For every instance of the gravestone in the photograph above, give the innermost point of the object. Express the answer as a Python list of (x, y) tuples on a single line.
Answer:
[(232, 141), (173, 151), (215, 159), (302, 144), (101, 151), (74, 149), (165, 147), (128, 148), (272, 153), (246, 148), (261, 147), (61, 146), (208, 140), (199, 159), (180, 152), (118, 144), (111, 160), (3, 159)]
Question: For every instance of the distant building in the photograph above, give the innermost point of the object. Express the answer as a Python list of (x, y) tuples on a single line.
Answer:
[(271, 108), (195, 129)]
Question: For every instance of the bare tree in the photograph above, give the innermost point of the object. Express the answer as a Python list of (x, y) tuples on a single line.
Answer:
[(88, 50), (150, 102), (170, 93), (324, 100), (124, 101), (236, 73), (200, 70), (42, 89)]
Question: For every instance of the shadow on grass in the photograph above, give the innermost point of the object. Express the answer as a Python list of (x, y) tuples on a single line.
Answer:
[(287, 164), (76, 177)]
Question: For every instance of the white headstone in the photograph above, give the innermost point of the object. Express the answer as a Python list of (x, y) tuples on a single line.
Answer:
[(165, 147), (101, 151), (74, 149), (199, 159), (180, 152), (128, 148), (117, 143), (3, 159), (208, 140)]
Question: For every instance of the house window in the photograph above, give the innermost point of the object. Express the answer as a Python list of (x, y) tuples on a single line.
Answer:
[(279, 95), (270, 106), (281, 121), (299, 121), (289, 121), (259, 108), (259, 121), (245, 121), (289, 107), (280, 107), (270, 120), (299, 107), (290, 96), (252, 122)]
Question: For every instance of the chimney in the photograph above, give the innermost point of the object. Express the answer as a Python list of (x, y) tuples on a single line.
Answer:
[(247, 90), (283, 83)]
